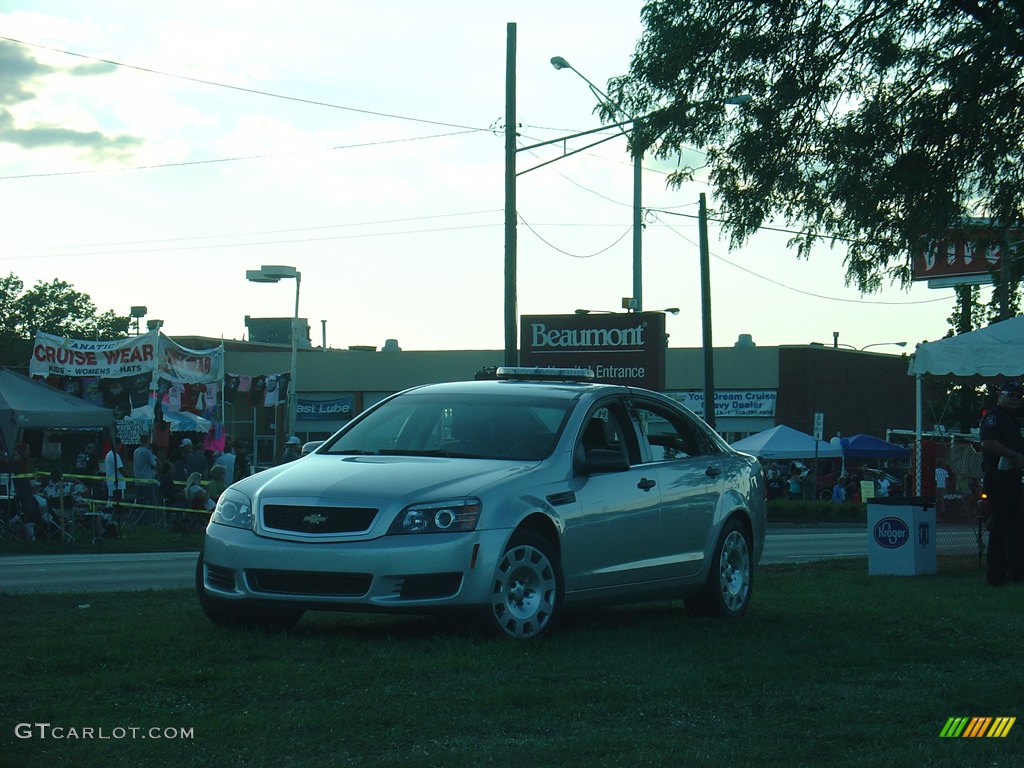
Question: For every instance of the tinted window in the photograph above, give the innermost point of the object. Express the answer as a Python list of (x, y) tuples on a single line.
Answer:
[(472, 426), (608, 429), (670, 434)]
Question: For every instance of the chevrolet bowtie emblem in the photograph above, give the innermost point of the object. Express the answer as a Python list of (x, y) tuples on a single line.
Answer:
[(314, 519)]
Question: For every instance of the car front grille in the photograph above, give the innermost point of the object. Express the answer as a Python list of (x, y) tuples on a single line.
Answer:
[(310, 519), (309, 583)]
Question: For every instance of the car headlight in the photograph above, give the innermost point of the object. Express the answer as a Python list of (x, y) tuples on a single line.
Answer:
[(441, 517), (234, 509)]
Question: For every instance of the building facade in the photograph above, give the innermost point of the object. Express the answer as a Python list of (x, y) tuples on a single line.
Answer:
[(756, 387)]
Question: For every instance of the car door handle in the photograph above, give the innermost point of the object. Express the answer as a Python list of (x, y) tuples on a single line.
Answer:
[(645, 484), (713, 471)]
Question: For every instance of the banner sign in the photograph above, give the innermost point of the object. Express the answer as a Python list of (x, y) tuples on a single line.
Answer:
[(967, 255), (620, 348), (145, 354), (742, 403), (59, 356), (189, 366), (323, 410)]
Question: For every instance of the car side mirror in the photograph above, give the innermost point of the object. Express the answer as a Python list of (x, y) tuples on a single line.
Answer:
[(602, 461), (311, 446)]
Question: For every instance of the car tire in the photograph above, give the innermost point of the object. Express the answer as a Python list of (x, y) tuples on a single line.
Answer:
[(527, 589), (730, 581), (227, 614)]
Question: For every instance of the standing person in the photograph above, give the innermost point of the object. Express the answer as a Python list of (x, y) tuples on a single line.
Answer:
[(191, 461), (796, 485), (291, 450), (87, 466), (113, 466), (145, 465), (884, 485), (243, 468), (226, 460), (941, 479), (1002, 462)]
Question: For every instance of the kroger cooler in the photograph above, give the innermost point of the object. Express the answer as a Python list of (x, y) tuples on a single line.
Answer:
[(901, 537)]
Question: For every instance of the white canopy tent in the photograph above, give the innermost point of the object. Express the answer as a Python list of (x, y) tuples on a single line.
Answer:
[(784, 442), (992, 352)]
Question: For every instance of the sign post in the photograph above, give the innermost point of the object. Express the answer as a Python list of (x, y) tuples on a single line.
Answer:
[(819, 432)]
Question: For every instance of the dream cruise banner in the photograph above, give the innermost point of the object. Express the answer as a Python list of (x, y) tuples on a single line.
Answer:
[(80, 358), (189, 366), (151, 353), (132, 376)]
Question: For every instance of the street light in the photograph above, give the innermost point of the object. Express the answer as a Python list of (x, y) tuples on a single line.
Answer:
[(274, 273), (669, 310), (638, 289), (559, 63)]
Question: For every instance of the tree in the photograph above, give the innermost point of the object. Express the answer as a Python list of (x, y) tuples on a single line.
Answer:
[(54, 307), (879, 123)]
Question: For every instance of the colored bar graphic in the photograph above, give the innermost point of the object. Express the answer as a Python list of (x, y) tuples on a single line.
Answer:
[(977, 727), (954, 727)]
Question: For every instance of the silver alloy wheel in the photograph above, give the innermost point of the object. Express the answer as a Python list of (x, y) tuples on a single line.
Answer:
[(525, 592), (734, 572)]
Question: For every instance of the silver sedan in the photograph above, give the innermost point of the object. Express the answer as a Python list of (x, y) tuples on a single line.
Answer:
[(508, 499)]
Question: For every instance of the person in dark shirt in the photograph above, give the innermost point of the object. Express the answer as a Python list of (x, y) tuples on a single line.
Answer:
[(1002, 449)]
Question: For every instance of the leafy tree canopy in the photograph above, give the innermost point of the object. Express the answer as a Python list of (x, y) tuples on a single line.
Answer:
[(54, 307), (879, 122)]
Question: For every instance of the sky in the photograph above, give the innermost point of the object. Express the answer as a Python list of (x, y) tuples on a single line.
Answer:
[(362, 143)]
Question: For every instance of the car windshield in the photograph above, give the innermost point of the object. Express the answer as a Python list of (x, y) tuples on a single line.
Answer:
[(517, 428)]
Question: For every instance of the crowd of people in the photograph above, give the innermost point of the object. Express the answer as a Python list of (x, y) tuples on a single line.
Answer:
[(99, 482), (795, 481)]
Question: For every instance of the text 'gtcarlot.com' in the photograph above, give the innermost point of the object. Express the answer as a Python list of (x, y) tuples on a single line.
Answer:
[(101, 733)]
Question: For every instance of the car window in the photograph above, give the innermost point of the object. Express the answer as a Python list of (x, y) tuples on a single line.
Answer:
[(458, 425), (608, 428), (670, 434)]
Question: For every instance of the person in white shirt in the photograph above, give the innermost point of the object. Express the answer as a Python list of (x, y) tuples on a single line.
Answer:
[(883, 487), (113, 465), (941, 478)]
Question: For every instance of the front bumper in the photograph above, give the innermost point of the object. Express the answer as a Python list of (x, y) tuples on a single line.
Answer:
[(409, 573)]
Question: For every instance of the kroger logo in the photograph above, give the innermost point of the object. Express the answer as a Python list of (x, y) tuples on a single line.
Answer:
[(891, 533)]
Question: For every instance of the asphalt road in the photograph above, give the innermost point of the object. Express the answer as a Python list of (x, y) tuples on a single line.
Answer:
[(175, 570)]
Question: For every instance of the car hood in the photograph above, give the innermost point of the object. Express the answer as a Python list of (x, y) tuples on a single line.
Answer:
[(377, 480)]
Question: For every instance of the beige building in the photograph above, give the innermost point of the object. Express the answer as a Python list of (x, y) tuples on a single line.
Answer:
[(756, 387)]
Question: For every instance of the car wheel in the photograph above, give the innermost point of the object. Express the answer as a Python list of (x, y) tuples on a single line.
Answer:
[(730, 580), (225, 613), (527, 592)]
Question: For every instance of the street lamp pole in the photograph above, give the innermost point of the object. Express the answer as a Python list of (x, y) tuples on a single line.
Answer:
[(638, 154), (274, 274)]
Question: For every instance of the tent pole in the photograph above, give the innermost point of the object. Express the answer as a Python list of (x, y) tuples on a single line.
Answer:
[(917, 434)]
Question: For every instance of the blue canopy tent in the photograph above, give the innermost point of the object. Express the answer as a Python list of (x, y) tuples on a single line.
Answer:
[(867, 447)]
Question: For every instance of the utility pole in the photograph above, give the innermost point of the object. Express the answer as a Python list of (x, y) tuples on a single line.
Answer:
[(638, 217), (511, 332), (705, 310)]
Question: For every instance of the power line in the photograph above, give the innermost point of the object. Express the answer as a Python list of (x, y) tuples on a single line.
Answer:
[(761, 226), (247, 244), (573, 255), (254, 91), (798, 290), (261, 232), (235, 159)]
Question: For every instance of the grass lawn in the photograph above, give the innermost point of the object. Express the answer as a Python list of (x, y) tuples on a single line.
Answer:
[(831, 667)]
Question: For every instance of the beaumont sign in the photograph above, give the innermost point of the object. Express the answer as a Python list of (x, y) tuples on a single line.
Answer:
[(622, 348)]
